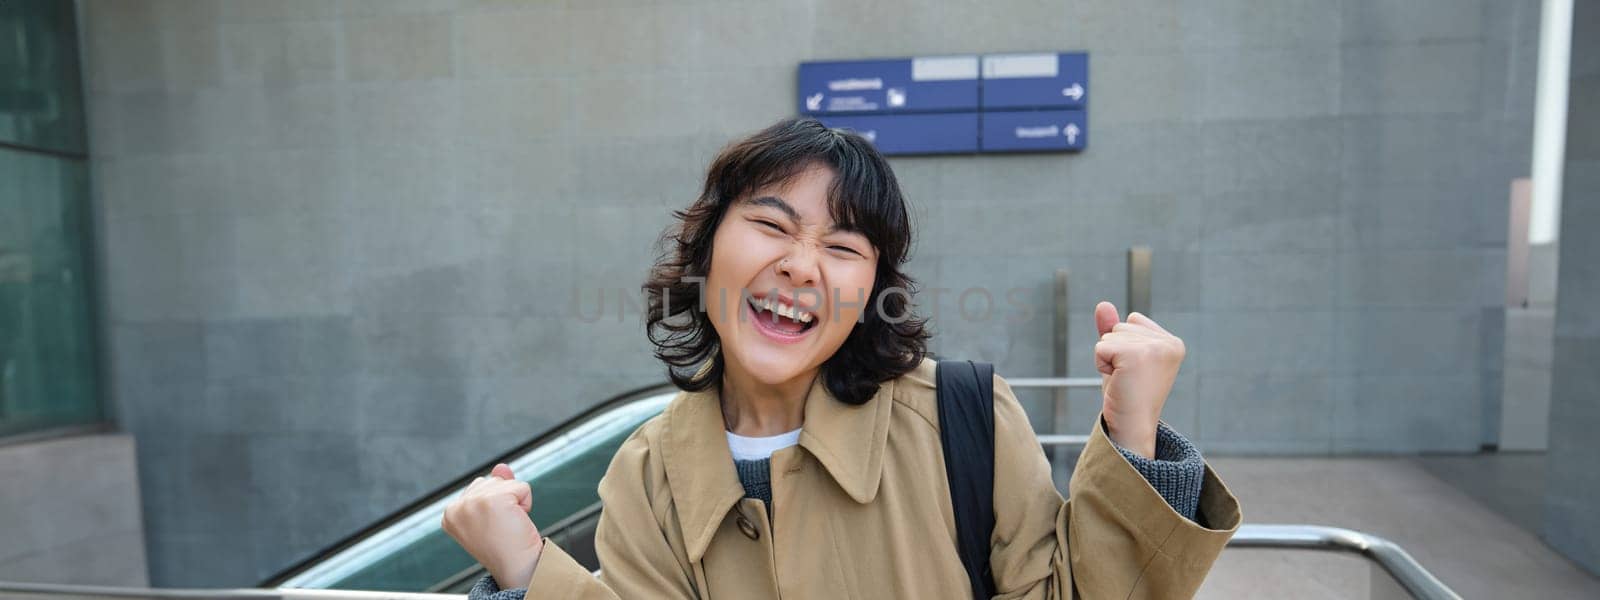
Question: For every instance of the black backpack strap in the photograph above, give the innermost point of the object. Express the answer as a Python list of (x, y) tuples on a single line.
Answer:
[(966, 433)]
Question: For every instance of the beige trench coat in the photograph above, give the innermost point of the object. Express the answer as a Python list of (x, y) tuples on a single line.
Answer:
[(862, 510)]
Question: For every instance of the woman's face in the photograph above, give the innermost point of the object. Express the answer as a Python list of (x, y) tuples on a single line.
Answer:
[(786, 287)]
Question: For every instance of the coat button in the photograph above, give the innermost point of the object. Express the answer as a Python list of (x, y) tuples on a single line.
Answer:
[(748, 528)]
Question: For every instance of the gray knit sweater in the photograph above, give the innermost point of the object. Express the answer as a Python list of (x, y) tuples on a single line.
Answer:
[(1176, 473)]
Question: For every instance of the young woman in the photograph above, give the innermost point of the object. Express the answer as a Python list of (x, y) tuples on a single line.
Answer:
[(802, 458)]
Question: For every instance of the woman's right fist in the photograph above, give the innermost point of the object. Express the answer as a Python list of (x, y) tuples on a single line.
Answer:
[(490, 521)]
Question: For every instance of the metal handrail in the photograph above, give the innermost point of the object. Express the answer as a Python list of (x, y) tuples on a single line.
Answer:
[(1062, 439), (1387, 555), (62, 590), (1054, 382), (1054, 439), (1394, 560), (1397, 564), (1384, 554), (421, 519)]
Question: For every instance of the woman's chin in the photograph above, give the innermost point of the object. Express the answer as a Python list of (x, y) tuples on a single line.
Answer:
[(771, 366)]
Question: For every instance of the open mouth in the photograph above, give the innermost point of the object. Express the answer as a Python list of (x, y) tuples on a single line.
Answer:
[(779, 321)]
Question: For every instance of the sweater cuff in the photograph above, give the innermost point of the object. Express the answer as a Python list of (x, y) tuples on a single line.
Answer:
[(1176, 473), (487, 589)]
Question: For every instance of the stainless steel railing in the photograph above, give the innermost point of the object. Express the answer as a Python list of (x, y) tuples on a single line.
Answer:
[(1401, 575), (1137, 300), (1395, 573), (1057, 383), (54, 591)]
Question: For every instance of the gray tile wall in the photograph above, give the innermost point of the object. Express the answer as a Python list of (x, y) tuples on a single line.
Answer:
[(342, 238), (1572, 525)]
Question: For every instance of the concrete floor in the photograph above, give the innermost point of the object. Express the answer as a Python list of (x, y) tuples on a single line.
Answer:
[(1509, 483), (1463, 518)]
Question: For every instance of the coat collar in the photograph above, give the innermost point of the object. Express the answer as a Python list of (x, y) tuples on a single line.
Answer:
[(849, 441)]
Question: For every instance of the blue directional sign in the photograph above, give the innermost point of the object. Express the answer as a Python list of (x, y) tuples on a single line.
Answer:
[(1035, 80), (930, 84), (935, 133), (1026, 102), (1034, 131)]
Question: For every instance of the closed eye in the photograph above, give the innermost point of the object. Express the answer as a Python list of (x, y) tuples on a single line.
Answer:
[(846, 249), (770, 224)]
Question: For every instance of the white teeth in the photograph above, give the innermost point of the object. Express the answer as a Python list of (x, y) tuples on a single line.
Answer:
[(783, 309)]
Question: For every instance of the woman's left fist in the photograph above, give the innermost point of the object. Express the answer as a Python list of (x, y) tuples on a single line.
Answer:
[(1138, 361)]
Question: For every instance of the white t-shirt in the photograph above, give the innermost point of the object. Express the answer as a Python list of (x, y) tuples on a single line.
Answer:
[(757, 448)]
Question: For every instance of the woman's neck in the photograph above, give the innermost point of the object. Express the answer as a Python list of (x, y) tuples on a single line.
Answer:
[(755, 409)]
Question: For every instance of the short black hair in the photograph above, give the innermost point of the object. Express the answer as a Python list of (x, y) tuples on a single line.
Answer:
[(864, 197)]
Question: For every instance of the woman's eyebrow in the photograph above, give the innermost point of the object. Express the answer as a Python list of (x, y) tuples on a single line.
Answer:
[(794, 215), (778, 203)]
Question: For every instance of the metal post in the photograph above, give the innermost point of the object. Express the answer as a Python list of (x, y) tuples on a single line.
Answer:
[(1060, 360), (1139, 280)]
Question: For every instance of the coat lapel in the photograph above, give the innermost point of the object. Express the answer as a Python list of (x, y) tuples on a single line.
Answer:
[(850, 441), (699, 467)]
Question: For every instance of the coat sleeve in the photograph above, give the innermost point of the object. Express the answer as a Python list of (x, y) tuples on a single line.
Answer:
[(637, 560), (1116, 537)]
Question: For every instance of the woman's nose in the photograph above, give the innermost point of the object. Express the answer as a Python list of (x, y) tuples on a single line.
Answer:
[(800, 267)]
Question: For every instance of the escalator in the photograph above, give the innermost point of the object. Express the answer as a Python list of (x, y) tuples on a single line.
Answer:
[(408, 551), (407, 556)]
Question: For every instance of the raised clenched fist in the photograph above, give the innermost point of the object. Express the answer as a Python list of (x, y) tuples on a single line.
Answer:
[(490, 521), (1138, 361)]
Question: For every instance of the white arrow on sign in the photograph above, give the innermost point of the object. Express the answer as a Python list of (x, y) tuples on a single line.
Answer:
[(1071, 131), (1075, 92), (814, 102)]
